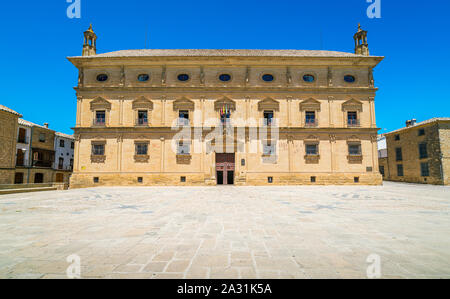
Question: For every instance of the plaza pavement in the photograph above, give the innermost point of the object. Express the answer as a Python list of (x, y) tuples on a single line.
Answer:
[(228, 232)]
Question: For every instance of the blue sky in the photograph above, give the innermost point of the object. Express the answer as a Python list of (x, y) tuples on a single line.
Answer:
[(37, 80)]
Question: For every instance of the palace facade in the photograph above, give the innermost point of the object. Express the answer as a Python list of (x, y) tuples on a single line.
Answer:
[(208, 117)]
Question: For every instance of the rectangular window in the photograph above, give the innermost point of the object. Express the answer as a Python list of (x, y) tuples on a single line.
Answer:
[(423, 152), (98, 149), (310, 118), (72, 145), (22, 135), (42, 137), (71, 164), (269, 148), (100, 118), (183, 117), (398, 154), (397, 137), (399, 170), (268, 118), (424, 169), (382, 170), (142, 117), (312, 149), (183, 148), (141, 148), (61, 163), (61, 143), (354, 149), (352, 118), (422, 132)]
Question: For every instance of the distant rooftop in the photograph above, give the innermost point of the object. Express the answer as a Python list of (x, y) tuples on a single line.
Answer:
[(27, 123), (4, 108), (224, 53), (64, 135), (432, 120)]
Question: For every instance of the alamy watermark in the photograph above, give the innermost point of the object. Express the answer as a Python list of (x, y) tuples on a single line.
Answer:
[(374, 269), (74, 269), (74, 9), (374, 9)]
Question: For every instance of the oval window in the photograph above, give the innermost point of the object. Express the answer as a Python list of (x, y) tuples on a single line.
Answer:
[(183, 77), (102, 77), (225, 77), (309, 78), (143, 77), (268, 77), (349, 79)]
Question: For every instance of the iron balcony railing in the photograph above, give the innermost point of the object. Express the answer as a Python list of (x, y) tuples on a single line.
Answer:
[(142, 122), (99, 122), (310, 123), (353, 123)]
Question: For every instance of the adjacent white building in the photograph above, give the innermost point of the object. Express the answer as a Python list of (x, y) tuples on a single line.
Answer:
[(23, 145), (382, 147), (64, 151)]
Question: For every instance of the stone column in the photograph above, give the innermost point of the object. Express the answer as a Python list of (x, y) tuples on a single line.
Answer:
[(121, 100), (163, 111), (330, 111), (289, 104), (372, 112), (290, 140), (162, 153), (119, 152), (79, 110), (332, 151), (76, 153)]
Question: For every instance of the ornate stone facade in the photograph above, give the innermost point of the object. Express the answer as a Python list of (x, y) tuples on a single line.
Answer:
[(317, 107)]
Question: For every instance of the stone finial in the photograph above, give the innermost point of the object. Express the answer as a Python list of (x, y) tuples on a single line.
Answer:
[(361, 46), (90, 42)]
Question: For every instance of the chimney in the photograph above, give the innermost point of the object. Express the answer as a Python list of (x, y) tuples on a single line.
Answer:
[(411, 123), (46, 125)]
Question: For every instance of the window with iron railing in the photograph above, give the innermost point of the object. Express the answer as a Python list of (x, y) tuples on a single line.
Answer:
[(98, 149), (183, 148), (100, 118), (141, 149), (183, 118), (354, 149), (312, 150), (268, 118), (142, 118), (310, 119), (352, 119)]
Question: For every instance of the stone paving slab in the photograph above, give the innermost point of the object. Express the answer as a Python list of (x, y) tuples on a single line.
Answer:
[(228, 232)]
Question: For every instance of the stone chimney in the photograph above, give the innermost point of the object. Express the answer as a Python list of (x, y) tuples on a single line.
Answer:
[(411, 123), (46, 125)]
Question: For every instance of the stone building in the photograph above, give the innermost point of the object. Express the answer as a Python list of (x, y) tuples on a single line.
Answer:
[(207, 117), (64, 156), (42, 155), (419, 152), (8, 129)]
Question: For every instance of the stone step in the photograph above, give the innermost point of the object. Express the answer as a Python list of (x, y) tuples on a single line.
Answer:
[(26, 190)]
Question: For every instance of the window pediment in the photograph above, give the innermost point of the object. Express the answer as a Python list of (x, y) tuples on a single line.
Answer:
[(142, 103), (219, 104), (268, 104), (310, 105), (183, 104), (100, 103), (352, 104)]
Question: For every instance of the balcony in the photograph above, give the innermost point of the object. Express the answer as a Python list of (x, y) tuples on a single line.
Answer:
[(311, 123), (22, 140), (99, 122), (353, 123), (43, 163), (142, 122), (183, 122)]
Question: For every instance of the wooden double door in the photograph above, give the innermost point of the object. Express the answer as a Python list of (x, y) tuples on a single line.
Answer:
[(225, 169)]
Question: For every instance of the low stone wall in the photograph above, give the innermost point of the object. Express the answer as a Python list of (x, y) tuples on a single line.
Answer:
[(251, 179)]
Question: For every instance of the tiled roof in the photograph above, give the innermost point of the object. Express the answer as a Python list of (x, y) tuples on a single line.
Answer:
[(64, 135), (432, 120), (226, 53), (4, 108), (30, 124)]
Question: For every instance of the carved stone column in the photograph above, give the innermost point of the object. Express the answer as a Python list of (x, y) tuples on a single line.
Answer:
[(332, 151), (162, 139), (330, 111)]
